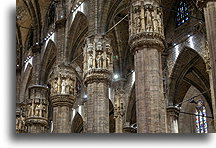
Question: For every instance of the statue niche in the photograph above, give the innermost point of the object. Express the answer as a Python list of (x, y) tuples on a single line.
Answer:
[(148, 18)]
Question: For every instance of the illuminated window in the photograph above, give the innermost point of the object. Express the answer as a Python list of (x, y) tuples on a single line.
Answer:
[(201, 122), (182, 14)]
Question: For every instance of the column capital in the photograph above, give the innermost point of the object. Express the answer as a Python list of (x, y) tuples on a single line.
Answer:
[(62, 80), (62, 100), (37, 107), (97, 59), (146, 25), (173, 111)]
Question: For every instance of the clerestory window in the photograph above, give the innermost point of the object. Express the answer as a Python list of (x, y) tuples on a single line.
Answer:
[(182, 13)]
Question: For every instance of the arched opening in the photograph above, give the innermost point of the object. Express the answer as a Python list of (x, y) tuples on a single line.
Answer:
[(77, 124), (48, 61), (188, 80), (111, 118)]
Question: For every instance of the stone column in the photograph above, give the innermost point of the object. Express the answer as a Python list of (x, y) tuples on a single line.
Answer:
[(172, 119), (20, 119), (37, 109), (62, 97), (146, 40), (210, 18), (97, 76), (119, 111)]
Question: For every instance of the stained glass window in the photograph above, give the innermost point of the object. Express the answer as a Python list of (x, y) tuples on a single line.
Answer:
[(182, 14), (201, 121)]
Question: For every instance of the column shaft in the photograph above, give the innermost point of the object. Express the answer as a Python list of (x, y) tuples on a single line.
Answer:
[(146, 39), (97, 77), (210, 18)]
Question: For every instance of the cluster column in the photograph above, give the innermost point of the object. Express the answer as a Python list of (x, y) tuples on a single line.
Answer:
[(62, 97), (119, 110), (37, 103), (210, 23), (97, 76), (146, 40), (172, 119), (37, 109)]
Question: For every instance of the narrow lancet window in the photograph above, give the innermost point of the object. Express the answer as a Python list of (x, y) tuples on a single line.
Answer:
[(201, 122)]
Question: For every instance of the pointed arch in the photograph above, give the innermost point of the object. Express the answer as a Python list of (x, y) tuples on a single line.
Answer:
[(131, 106), (111, 117), (189, 70), (26, 78), (76, 37), (48, 60), (77, 124)]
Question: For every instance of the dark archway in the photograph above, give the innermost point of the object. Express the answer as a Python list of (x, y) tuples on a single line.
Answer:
[(77, 124)]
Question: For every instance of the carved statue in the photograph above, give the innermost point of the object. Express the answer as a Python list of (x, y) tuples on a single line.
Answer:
[(90, 62), (63, 86), (40, 109), (32, 109), (29, 110), (37, 110), (59, 84), (90, 47), (99, 46), (17, 123), (148, 17), (68, 85), (54, 87), (159, 19), (99, 61), (155, 21), (138, 24)]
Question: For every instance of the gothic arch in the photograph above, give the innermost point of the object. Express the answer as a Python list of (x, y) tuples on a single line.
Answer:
[(77, 124), (76, 37), (48, 60), (111, 117), (26, 78), (131, 106), (189, 70)]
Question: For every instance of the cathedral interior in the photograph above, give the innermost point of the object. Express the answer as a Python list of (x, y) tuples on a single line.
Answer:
[(115, 66)]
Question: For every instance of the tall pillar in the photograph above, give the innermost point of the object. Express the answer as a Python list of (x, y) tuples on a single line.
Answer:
[(172, 119), (37, 109), (97, 76), (20, 119), (210, 18), (62, 97), (146, 40), (37, 103), (119, 111)]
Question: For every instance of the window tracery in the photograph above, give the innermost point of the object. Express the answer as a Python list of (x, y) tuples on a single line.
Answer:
[(201, 120), (182, 13)]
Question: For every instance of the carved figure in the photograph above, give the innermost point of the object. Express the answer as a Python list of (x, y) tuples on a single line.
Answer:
[(159, 22), (155, 21), (99, 61), (90, 62), (54, 87), (90, 47), (63, 86), (99, 46), (68, 85), (44, 112), (37, 110), (138, 24), (148, 21)]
